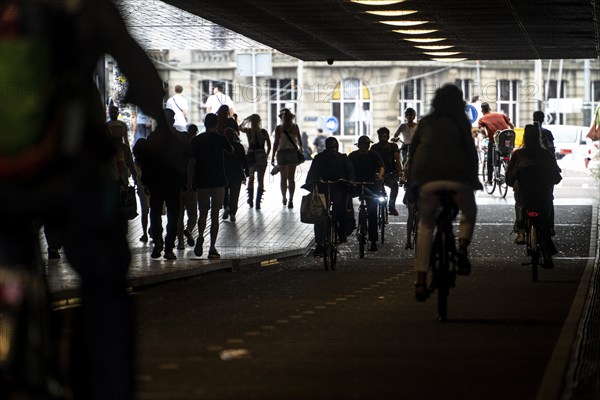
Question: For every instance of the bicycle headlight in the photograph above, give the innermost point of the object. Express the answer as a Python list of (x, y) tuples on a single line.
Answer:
[(381, 199)]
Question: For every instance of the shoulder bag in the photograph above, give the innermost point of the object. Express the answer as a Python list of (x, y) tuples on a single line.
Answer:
[(299, 154)]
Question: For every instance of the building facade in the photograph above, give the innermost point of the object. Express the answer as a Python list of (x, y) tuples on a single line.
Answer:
[(349, 99)]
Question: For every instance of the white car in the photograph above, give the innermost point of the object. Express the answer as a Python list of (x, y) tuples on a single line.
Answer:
[(569, 140)]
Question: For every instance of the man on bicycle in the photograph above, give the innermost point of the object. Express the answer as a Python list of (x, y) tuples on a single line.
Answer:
[(390, 154), (331, 165), (369, 167), (407, 130), (492, 122)]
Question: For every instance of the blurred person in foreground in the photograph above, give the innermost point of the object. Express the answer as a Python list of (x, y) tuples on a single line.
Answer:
[(55, 157), (443, 157)]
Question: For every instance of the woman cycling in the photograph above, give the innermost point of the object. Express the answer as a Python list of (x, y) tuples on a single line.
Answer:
[(443, 157)]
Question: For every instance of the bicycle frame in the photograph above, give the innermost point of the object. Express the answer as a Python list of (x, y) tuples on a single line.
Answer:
[(443, 252)]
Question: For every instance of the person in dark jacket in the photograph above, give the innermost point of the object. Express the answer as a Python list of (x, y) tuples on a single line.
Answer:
[(443, 157), (533, 172), (163, 173), (331, 165), (209, 149), (236, 171)]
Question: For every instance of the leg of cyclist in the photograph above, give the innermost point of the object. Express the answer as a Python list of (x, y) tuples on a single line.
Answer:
[(465, 201), (342, 213), (320, 232), (391, 181)]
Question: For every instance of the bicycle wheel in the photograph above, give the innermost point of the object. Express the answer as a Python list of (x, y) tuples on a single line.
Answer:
[(330, 251), (362, 231), (502, 185), (383, 217), (534, 252), (443, 278)]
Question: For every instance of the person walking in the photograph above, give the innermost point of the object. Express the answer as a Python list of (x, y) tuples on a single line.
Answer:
[(285, 146), (143, 124), (257, 157), (163, 171), (407, 131), (443, 157), (208, 150), (236, 171), (218, 99), (179, 104), (188, 204)]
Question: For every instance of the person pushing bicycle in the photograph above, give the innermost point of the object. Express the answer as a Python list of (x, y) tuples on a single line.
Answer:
[(331, 165), (369, 167)]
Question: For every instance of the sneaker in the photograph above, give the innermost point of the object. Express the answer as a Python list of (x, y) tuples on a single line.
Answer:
[(180, 245), (189, 237), (198, 247), (225, 214), (319, 251), (169, 255), (53, 254), (520, 239), (463, 263), (213, 254), (232, 218), (393, 211), (158, 247), (144, 238), (290, 204), (373, 246)]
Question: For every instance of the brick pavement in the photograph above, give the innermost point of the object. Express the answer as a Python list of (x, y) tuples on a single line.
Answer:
[(273, 232)]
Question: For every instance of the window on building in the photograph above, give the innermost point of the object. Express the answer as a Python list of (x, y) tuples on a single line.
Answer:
[(507, 100), (351, 105), (411, 95), (466, 86), (553, 114), (283, 93)]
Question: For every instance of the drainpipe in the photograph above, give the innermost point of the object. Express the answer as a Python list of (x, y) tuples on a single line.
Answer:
[(587, 98)]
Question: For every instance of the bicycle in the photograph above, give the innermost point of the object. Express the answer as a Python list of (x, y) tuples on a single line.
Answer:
[(535, 244), (501, 158), (361, 228), (331, 239), (443, 252)]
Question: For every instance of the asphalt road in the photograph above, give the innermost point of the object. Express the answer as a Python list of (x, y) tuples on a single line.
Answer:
[(294, 331)]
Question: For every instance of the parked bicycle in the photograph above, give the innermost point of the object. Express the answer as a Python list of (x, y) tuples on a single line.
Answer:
[(443, 252)]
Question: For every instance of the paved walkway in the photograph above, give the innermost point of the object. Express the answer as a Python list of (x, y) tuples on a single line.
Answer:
[(257, 236)]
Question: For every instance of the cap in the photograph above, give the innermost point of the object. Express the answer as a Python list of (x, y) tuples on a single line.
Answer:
[(363, 139)]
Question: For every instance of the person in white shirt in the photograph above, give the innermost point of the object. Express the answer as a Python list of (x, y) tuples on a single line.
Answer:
[(179, 105), (407, 129), (217, 99)]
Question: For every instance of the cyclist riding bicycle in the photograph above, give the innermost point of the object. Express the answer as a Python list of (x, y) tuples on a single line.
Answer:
[(331, 165), (443, 157), (491, 122), (407, 130), (533, 172), (390, 154), (368, 167)]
